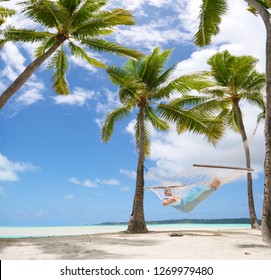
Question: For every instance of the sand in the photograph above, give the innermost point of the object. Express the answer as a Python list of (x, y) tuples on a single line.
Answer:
[(244, 244)]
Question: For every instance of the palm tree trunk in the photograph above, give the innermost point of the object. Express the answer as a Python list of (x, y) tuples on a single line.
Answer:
[(137, 222), (266, 214), (26, 74), (252, 213)]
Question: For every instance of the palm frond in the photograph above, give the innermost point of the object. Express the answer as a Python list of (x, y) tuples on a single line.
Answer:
[(217, 91), (81, 53), (117, 75), (181, 85), (60, 64), (220, 67), (147, 137), (46, 12), (187, 121), (2, 43), (253, 82), (73, 5), (211, 12), (132, 67), (260, 117), (256, 98), (128, 87), (110, 47), (5, 13), (81, 11), (46, 44), (154, 65), (110, 120), (157, 122), (104, 20), (233, 120), (127, 94), (25, 35), (241, 68)]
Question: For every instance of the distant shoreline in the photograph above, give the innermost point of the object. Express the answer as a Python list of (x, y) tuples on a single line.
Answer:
[(188, 221)]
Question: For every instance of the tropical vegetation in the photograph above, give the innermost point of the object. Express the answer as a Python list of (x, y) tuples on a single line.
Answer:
[(211, 13), (74, 25)]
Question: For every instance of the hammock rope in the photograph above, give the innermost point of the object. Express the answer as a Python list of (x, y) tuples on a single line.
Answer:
[(197, 175)]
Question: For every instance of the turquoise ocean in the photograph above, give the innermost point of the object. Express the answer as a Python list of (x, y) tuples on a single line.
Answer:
[(25, 232)]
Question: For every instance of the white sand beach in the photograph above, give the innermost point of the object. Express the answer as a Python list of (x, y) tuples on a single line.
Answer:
[(245, 244)]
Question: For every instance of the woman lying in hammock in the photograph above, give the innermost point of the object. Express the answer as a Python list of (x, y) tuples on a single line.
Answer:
[(192, 199)]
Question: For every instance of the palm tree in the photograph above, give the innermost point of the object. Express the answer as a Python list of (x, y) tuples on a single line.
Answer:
[(80, 23), (210, 18), (5, 12), (144, 86), (236, 80)]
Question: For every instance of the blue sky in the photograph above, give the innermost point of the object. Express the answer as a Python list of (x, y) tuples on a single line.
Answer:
[(54, 169)]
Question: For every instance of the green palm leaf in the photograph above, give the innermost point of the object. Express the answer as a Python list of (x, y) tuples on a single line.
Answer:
[(110, 47), (187, 121), (147, 137), (117, 75), (46, 44), (154, 64), (59, 64), (110, 120), (81, 53), (181, 85), (88, 8), (157, 122), (256, 98), (46, 12), (25, 35), (5, 13), (104, 20), (211, 12), (233, 120)]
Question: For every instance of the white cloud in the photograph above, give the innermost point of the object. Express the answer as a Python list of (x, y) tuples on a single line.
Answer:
[(111, 182), (129, 173), (13, 61), (69, 197), (9, 170), (90, 184), (29, 97), (86, 183), (79, 97), (109, 104), (150, 36)]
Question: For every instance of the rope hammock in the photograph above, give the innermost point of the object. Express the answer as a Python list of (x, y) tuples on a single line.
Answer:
[(193, 185)]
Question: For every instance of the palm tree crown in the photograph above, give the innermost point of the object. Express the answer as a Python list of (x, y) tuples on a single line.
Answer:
[(237, 80), (80, 23), (145, 85)]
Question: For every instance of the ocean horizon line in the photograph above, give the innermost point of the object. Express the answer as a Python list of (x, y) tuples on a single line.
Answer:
[(151, 222)]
